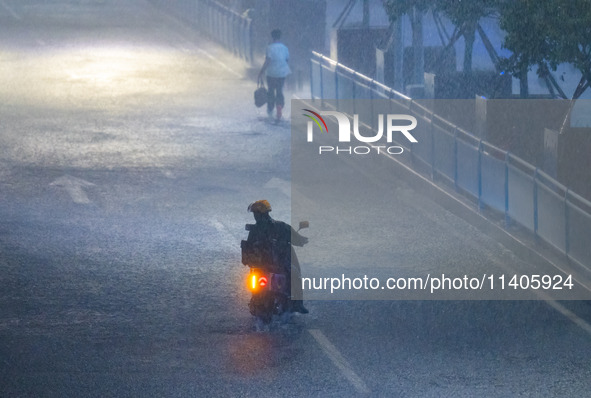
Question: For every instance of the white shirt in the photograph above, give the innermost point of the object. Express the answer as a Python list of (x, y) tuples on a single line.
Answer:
[(278, 55)]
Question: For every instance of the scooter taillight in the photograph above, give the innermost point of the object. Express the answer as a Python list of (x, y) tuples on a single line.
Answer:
[(262, 281), (257, 281)]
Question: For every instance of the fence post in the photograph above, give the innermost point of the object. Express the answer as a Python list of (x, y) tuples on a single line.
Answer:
[(234, 29), (411, 144), (241, 36), (211, 21), (371, 102), (535, 199), (567, 224), (456, 158), (354, 91), (432, 128), (480, 175), (249, 43), (507, 218), (336, 87), (312, 79), (321, 85)]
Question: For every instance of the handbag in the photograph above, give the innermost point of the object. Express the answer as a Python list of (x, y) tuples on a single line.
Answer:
[(260, 95)]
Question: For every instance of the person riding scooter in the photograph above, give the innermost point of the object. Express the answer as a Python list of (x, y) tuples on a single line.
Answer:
[(283, 236)]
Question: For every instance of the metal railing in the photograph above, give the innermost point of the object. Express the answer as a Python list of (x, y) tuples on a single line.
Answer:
[(218, 22), (492, 176), (226, 26)]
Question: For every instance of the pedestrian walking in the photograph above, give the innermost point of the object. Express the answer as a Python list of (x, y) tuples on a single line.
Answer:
[(276, 69)]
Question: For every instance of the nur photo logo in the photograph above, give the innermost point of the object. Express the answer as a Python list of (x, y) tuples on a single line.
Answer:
[(388, 125)]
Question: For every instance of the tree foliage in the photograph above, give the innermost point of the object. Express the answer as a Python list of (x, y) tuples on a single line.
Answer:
[(465, 14), (396, 8), (461, 12), (539, 33), (546, 33)]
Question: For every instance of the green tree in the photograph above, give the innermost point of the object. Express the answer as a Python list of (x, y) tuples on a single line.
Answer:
[(415, 10), (546, 33), (465, 15)]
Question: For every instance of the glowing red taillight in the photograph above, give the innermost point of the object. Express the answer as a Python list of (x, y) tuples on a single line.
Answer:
[(257, 281)]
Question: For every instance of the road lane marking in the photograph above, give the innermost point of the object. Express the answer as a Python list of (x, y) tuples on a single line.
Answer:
[(10, 10), (570, 315), (339, 361), (279, 184), (73, 187)]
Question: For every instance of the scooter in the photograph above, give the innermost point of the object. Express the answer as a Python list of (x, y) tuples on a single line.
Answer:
[(270, 295), (267, 280)]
